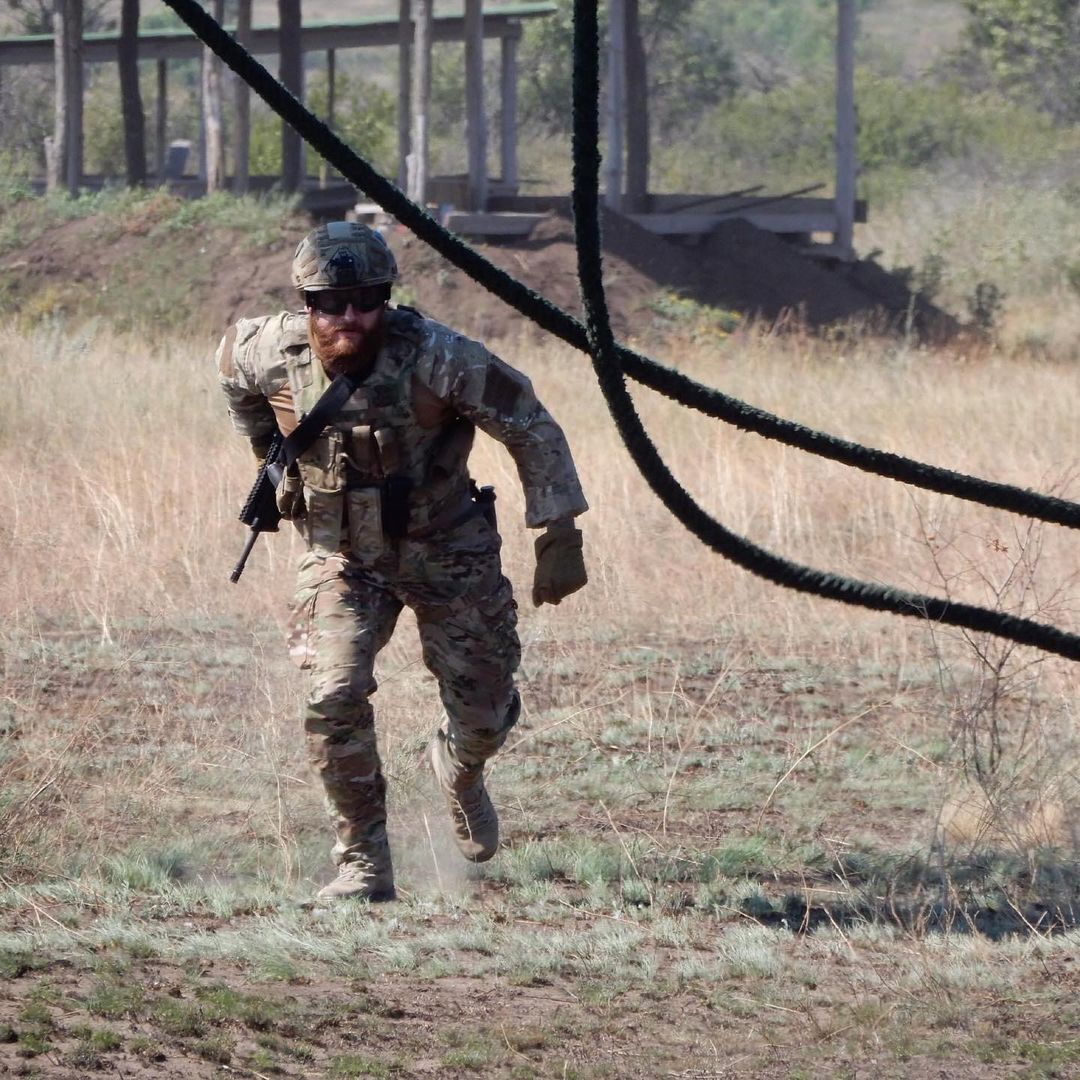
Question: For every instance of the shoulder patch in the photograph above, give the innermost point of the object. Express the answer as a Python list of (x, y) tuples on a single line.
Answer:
[(501, 389)]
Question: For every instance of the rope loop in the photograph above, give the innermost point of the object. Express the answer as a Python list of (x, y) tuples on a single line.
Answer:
[(612, 362)]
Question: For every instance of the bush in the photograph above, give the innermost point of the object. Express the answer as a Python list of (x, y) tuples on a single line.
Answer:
[(786, 136)]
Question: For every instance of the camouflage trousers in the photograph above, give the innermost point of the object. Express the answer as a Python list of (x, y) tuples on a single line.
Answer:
[(346, 610)]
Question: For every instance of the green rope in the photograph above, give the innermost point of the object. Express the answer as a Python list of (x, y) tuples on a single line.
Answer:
[(642, 449), (672, 384)]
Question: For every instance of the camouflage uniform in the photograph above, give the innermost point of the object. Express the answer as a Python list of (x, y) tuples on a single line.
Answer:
[(412, 418)]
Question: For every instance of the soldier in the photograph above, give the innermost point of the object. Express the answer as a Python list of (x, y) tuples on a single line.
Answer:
[(390, 517)]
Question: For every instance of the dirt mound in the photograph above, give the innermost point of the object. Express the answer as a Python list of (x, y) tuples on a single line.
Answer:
[(205, 279), (737, 267)]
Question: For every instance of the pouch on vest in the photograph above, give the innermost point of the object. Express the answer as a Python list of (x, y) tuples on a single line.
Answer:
[(364, 509), (323, 466)]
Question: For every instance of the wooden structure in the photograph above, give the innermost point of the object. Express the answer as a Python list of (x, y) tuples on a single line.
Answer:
[(497, 21), (478, 205)]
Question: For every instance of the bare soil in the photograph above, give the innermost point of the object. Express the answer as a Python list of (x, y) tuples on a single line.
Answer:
[(206, 278)]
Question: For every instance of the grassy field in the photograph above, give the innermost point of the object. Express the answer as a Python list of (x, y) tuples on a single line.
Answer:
[(747, 833)]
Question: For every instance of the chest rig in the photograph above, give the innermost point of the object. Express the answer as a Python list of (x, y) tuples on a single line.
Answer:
[(368, 478)]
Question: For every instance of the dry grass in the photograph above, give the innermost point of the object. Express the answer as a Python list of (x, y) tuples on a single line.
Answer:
[(700, 749)]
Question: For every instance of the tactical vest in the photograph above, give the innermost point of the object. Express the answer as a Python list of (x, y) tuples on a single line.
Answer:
[(373, 440)]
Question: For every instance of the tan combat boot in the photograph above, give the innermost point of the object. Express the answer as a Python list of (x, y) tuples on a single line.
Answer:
[(476, 825), (362, 877)]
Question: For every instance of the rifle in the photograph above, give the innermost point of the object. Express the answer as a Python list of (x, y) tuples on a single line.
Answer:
[(260, 511)]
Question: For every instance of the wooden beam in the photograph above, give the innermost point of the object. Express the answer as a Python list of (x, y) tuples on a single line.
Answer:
[(242, 106), (56, 147), (214, 141), (421, 101), (765, 218), (846, 166), (636, 112), (521, 224), (291, 74), (331, 93), (131, 95), (469, 224), (616, 105), (508, 83), (404, 122), (736, 206), (475, 114), (318, 37), (161, 119)]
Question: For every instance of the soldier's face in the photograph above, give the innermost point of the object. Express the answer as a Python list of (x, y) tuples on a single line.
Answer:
[(345, 340)]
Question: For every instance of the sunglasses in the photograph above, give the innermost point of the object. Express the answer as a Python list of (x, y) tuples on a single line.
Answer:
[(336, 301)]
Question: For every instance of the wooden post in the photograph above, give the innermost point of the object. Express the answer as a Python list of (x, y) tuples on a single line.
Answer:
[(291, 73), (331, 77), (475, 114), (214, 142), (56, 154), (201, 156), (846, 165), (421, 98), (404, 123), (637, 114), (613, 166), (75, 106), (130, 96), (508, 79), (161, 118), (242, 151)]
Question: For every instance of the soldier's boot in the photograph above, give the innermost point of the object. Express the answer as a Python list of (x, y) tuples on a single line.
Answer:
[(363, 875), (476, 825)]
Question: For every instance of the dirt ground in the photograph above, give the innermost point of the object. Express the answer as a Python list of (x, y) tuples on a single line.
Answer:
[(108, 266)]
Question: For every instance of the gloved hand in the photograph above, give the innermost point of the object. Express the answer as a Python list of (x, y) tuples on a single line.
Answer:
[(290, 496), (260, 447), (560, 567)]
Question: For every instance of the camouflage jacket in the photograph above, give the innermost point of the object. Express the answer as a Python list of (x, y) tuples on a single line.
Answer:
[(405, 420)]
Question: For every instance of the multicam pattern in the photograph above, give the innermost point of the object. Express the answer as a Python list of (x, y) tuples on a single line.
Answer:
[(342, 255), (354, 581), (345, 613)]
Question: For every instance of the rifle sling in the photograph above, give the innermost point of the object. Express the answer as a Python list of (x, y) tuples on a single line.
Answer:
[(325, 409)]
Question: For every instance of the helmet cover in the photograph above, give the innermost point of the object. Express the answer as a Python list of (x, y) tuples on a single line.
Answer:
[(342, 255)]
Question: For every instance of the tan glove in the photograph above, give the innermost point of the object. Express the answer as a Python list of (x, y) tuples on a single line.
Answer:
[(560, 567), (290, 496)]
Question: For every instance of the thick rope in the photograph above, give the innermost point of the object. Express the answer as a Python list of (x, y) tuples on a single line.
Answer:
[(643, 451), (672, 384), (607, 360)]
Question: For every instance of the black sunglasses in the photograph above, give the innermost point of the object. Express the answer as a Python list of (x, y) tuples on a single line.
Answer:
[(335, 301)]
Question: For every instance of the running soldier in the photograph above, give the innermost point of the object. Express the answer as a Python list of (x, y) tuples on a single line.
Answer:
[(390, 518)]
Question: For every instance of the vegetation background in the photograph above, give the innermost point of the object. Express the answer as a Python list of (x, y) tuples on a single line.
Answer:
[(748, 833)]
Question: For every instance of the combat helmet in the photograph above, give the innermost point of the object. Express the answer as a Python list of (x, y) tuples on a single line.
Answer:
[(342, 255)]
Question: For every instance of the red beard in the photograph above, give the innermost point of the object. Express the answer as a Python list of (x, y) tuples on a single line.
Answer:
[(341, 353)]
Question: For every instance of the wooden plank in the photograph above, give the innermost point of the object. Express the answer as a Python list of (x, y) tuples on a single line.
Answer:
[(615, 104), (466, 224), (242, 107), (404, 114), (475, 114), (521, 224), (703, 204), (765, 218), (316, 37), (508, 82), (845, 127), (420, 101)]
